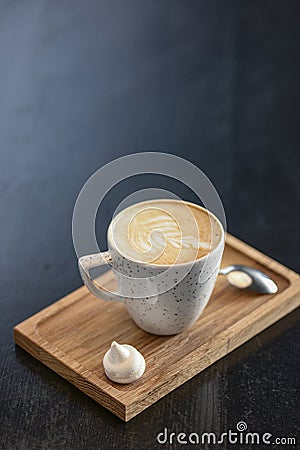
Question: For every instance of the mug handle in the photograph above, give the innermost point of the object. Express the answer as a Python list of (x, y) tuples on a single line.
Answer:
[(87, 262)]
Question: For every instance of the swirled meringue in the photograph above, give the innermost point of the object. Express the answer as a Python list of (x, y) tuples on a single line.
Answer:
[(123, 363)]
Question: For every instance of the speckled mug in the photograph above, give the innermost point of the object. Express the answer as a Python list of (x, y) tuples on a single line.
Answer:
[(162, 300)]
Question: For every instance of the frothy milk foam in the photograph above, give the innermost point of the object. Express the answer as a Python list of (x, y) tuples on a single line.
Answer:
[(165, 232)]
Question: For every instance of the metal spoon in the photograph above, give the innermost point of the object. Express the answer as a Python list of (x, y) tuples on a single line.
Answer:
[(244, 277)]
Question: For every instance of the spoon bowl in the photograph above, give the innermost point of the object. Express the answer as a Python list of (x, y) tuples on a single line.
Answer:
[(244, 277)]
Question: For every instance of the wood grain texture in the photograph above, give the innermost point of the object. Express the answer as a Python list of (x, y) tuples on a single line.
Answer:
[(72, 335)]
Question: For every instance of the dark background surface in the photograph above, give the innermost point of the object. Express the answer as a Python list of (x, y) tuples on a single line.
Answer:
[(82, 83)]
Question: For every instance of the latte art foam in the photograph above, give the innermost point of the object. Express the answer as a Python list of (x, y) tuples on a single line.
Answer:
[(164, 232), (152, 228)]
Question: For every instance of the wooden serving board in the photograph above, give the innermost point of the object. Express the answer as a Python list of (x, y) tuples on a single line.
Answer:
[(72, 335)]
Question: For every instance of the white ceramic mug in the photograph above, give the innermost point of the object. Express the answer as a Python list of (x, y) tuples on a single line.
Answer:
[(162, 300)]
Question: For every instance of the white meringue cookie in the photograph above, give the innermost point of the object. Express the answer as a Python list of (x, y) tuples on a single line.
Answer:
[(123, 363)]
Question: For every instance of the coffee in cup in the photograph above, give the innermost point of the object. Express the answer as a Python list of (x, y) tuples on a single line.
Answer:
[(165, 256)]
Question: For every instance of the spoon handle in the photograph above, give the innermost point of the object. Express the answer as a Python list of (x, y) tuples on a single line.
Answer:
[(226, 270)]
